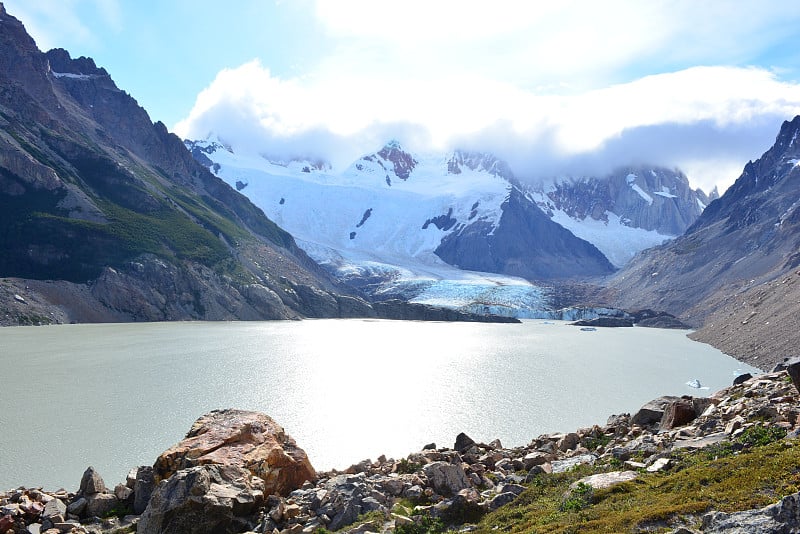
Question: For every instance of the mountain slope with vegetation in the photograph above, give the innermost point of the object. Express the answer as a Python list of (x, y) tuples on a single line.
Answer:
[(117, 214)]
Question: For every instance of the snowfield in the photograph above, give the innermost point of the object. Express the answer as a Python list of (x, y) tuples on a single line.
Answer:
[(378, 222)]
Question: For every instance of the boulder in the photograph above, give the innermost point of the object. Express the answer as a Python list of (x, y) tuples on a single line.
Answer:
[(463, 443), (91, 482), (55, 510), (741, 379), (779, 518), (143, 485), (606, 480), (446, 478), (100, 504), (678, 413), (251, 440), (203, 500), (793, 368), (652, 412)]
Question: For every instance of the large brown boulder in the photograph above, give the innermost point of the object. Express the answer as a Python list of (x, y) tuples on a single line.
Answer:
[(250, 440)]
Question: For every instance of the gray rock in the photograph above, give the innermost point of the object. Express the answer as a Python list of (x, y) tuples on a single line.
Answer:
[(568, 442), (445, 478), (92, 482), (463, 442), (78, 506), (143, 487), (782, 517), (559, 466), (204, 500), (606, 480), (100, 504), (54, 509), (741, 379), (501, 500), (793, 368), (652, 412), (535, 458), (123, 492)]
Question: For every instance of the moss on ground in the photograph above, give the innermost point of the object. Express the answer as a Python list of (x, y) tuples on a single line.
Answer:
[(657, 502)]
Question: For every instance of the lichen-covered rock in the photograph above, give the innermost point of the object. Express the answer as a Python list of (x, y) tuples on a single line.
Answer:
[(207, 499), (251, 440)]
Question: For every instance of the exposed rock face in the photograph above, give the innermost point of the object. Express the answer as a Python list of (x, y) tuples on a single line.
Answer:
[(204, 500), (649, 198), (101, 198), (735, 269), (526, 243), (250, 440)]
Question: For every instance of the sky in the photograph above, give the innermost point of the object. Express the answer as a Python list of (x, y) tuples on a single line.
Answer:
[(561, 88)]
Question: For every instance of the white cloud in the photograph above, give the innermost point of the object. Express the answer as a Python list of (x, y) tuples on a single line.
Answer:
[(52, 22), (690, 118)]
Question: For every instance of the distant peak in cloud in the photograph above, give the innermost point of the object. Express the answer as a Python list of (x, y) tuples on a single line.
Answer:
[(703, 119)]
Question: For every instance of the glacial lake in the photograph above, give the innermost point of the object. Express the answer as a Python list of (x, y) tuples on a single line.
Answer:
[(114, 396)]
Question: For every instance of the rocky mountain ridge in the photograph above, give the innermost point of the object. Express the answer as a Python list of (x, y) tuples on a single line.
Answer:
[(733, 272)]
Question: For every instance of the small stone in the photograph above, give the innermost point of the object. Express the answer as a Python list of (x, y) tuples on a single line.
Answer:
[(401, 520), (122, 492), (658, 465), (501, 500)]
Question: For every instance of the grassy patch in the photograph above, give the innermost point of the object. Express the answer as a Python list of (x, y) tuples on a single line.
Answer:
[(730, 481)]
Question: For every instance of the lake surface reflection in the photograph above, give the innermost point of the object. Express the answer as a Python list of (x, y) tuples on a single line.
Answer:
[(116, 395)]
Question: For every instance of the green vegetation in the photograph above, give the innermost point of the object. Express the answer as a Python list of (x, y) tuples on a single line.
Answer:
[(727, 477), (426, 525), (406, 466)]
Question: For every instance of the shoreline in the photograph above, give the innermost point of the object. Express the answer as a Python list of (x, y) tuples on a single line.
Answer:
[(663, 425)]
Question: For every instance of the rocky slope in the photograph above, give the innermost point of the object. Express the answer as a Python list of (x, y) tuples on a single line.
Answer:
[(239, 471), (116, 212), (625, 211), (733, 270)]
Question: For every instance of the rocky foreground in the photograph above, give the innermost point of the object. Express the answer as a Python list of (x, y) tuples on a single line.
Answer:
[(238, 471)]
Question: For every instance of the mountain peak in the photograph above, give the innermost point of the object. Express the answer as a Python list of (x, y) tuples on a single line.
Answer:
[(393, 159), (62, 64)]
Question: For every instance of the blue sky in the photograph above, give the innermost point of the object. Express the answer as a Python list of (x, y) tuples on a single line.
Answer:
[(568, 87)]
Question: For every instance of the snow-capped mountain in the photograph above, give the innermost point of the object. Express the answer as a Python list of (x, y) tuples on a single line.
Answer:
[(455, 229), (624, 212)]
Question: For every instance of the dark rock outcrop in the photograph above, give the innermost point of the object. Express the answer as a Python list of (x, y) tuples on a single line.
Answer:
[(734, 271), (525, 243)]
